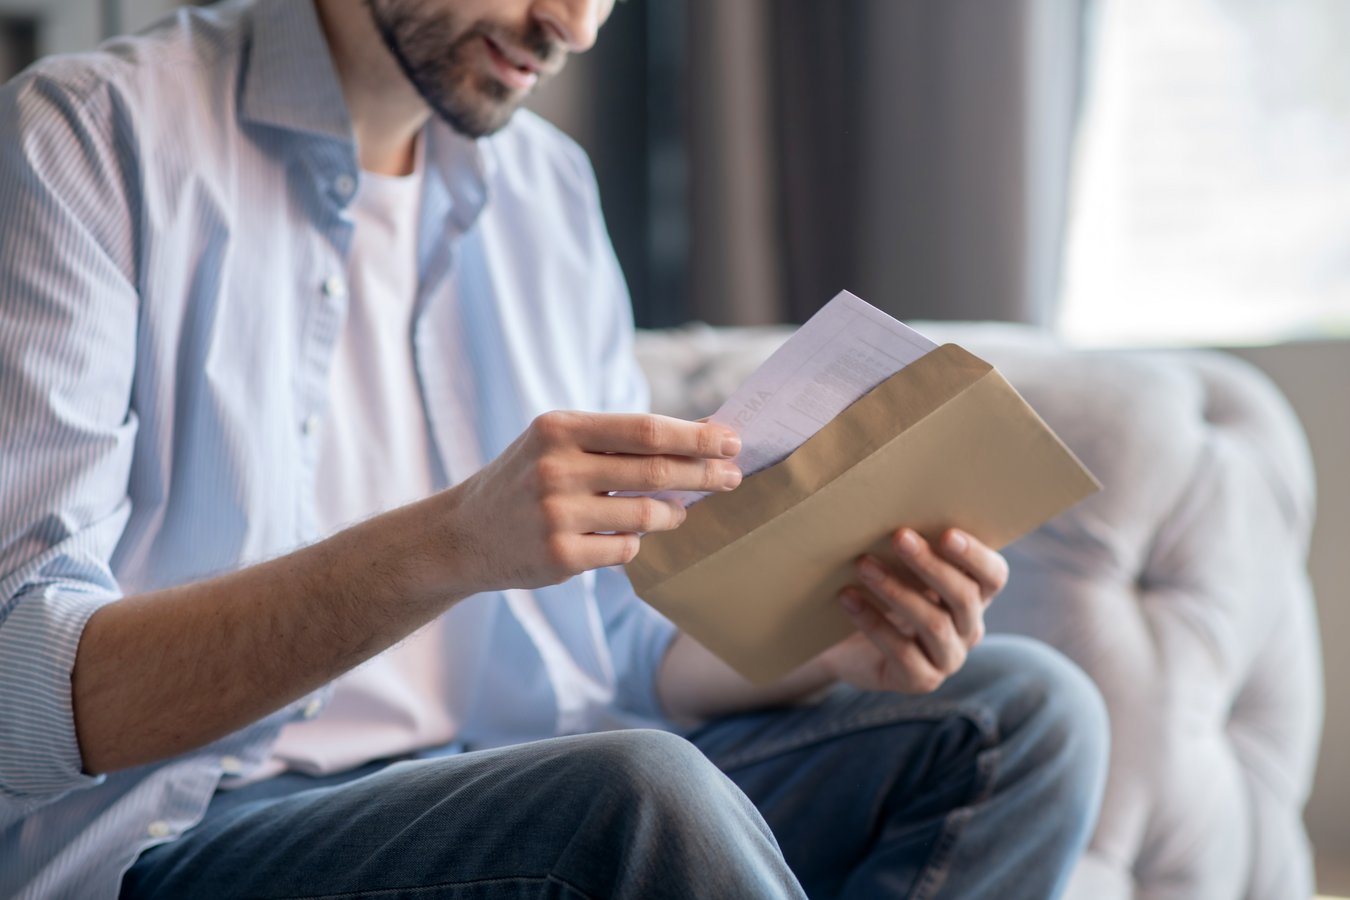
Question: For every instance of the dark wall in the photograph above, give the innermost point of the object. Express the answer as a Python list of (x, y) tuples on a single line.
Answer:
[(914, 151), (18, 44), (624, 101)]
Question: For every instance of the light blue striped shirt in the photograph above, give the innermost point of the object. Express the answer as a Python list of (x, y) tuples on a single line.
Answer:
[(171, 207)]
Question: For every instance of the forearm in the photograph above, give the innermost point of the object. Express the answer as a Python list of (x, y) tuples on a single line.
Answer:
[(694, 684), (165, 672), (162, 673)]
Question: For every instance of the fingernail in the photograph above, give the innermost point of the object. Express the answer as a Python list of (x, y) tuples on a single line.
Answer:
[(850, 602), (870, 570), (957, 541), (731, 444), (909, 542), (731, 476)]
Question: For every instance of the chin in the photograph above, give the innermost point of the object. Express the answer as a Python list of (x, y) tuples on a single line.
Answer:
[(477, 125), (479, 122), (476, 116)]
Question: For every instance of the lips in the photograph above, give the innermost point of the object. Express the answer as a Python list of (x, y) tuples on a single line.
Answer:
[(516, 69)]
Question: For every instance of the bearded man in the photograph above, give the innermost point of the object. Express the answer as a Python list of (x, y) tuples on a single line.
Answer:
[(317, 415)]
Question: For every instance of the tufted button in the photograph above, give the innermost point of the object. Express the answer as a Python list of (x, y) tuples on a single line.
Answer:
[(231, 765), (309, 425), (313, 708), (344, 185), (159, 829)]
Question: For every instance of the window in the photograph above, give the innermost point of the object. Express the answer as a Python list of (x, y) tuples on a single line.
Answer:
[(1212, 194)]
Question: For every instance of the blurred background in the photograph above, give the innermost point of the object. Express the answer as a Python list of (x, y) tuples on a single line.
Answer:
[(1124, 172), (1143, 171)]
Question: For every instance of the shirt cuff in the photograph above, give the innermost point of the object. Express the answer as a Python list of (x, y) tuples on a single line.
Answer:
[(39, 753), (637, 692)]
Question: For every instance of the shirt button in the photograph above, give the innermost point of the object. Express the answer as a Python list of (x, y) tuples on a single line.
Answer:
[(344, 185), (313, 708), (309, 425), (159, 829), (335, 287), (231, 765)]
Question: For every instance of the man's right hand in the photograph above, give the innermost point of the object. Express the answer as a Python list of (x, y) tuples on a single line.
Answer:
[(542, 511)]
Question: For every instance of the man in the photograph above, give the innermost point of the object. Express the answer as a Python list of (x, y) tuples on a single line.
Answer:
[(290, 297)]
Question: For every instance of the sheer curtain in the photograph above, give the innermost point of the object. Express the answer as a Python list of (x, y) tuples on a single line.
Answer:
[(1212, 202)]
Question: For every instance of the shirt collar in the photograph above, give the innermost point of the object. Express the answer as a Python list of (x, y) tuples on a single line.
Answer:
[(460, 170), (290, 82)]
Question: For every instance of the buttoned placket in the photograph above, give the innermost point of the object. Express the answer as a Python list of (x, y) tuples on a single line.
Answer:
[(323, 289)]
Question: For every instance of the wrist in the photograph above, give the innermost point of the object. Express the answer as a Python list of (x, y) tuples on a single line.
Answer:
[(811, 677), (420, 549)]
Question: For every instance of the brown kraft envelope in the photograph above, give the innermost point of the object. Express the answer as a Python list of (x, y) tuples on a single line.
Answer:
[(753, 574)]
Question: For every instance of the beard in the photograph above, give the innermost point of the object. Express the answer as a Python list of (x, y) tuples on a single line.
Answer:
[(444, 62)]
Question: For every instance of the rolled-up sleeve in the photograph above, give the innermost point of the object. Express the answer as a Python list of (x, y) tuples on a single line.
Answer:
[(68, 325), (639, 637)]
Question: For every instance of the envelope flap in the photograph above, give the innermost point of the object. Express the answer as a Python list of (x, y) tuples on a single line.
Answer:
[(896, 404)]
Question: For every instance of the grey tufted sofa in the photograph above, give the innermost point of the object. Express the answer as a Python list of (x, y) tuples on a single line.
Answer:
[(1181, 589)]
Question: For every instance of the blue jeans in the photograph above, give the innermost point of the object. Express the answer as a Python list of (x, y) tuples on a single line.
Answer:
[(987, 787)]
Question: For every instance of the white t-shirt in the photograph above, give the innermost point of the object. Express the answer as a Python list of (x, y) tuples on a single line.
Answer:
[(376, 454)]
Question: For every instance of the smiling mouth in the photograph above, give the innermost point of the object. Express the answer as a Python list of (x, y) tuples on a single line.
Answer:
[(511, 67)]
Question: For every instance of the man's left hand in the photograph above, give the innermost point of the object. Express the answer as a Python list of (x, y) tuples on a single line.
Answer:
[(916, 622)]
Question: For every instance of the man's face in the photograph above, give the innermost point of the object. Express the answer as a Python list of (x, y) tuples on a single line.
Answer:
[(475, 61)]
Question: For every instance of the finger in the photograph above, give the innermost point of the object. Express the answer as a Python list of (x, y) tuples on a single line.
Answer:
[(909, 665), (932, 625), (626, 472), (647, 435), (986, 566), (571, 554), (960, 592), (637, 515), (602, 550)]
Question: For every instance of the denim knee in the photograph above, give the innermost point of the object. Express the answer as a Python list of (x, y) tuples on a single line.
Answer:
[(678, 825), (653, 767), (1054, 711)]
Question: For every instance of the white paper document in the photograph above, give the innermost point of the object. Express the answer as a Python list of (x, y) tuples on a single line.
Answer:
[(841, 353)]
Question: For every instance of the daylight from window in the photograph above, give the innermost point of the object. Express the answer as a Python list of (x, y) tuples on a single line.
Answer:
[(1211, 201)]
